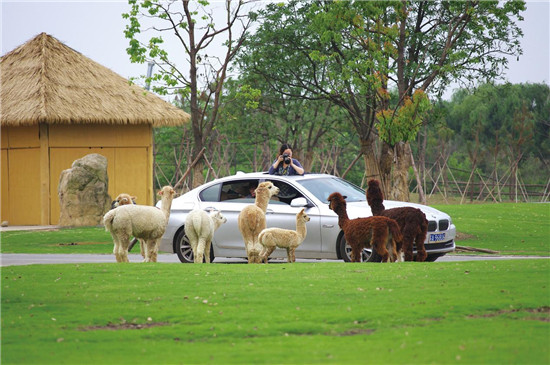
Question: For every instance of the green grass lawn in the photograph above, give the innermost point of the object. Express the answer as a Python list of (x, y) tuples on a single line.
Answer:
[(456, 312), (510, 228), (66, 240)]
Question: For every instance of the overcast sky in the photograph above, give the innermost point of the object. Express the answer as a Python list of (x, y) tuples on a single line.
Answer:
[(95, 29)]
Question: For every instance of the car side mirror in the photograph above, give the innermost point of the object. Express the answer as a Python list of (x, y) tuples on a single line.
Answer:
[(299, 203)]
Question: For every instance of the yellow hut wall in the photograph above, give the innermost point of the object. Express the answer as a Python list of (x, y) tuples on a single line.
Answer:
[(128, 150)]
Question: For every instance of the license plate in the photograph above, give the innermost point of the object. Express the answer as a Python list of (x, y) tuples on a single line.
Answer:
[(436, 237)]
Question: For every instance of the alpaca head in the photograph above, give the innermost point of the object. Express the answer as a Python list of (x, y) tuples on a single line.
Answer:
[(267, 189), (217, 218), (336, 201), (123, 199), (302, 216), (167, 192), (375, 197), (374, 191)]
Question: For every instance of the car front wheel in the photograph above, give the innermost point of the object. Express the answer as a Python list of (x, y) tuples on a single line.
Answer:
[(344, 250), (184, 251)]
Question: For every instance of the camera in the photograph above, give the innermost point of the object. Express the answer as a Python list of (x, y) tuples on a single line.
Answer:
[(286, 158)]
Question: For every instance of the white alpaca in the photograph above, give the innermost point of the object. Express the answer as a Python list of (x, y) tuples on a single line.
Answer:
[(270, 238), (252, 220), (199, 229), (125, 199), (143, 222)]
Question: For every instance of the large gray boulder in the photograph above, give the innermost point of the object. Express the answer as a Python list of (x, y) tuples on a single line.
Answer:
[(83, 196)]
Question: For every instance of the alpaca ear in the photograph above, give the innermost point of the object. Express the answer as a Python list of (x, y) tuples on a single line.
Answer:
[(134, 198), (345, 197), (160, 192)]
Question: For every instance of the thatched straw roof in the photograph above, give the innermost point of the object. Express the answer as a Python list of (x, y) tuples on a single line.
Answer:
[(45, 81)]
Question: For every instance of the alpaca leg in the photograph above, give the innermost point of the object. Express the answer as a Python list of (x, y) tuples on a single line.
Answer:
[(420, 248), (151, 255), (408, 248), (399, 254), (390, 246), (154, 255), (394, 256), (255, 257), (263, 256), (356, 253), (291, 255), (123, 244), (142, 248), (288, 255), (268, 252), (200, 251), (380, 236), (116, 249), (247, 246), (207, 252), (380, 248)]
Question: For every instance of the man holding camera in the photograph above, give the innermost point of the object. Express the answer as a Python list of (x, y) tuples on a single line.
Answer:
[(285, 164)]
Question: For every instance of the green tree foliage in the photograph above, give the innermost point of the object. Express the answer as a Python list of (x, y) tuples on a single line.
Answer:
[(500, 125), (352, 52), (197, 72)]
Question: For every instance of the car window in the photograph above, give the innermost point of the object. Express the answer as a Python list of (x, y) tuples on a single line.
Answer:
[(323, 187), (286, 192), (211, 194), (239, 191)]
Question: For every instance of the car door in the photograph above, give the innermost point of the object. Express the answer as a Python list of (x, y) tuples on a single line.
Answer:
[(233, 197), (282, 215)]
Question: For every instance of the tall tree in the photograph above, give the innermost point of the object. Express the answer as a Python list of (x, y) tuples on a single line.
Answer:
[(439, 42), (351, 53), (198, 71)]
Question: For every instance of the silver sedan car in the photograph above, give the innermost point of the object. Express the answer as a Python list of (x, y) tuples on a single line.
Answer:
[(324, 240)]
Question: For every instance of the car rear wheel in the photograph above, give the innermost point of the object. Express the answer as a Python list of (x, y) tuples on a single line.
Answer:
[(184, 251), (344, 250)]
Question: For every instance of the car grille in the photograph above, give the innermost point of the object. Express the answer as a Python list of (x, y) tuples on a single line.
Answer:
[(443, 225)]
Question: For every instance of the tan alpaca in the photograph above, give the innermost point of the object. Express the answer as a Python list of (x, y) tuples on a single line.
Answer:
[(270, 238), (252, 220), (143, 222)]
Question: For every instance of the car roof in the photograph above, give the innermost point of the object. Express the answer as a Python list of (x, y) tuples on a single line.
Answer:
[(266, 175)]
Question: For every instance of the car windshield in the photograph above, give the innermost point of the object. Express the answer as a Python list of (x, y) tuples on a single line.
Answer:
[(323, 187)]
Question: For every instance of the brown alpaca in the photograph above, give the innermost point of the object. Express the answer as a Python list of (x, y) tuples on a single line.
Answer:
[(380, 233), (252, 220), (412, 222)]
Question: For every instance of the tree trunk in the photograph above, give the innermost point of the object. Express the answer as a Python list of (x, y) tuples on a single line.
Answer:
[(400, 181), (198, 173), (307, 162), (423, 141), (370, 156)]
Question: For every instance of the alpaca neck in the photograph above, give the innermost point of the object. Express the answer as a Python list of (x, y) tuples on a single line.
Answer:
[(301, 228), (165, 205), (377, 209), (342, 215), (262, 202)]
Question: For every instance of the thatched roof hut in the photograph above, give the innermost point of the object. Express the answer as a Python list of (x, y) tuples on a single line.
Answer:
[(56, 106), (45, 81)]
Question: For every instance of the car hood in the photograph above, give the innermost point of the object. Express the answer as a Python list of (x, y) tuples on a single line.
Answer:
[(361, 209)]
